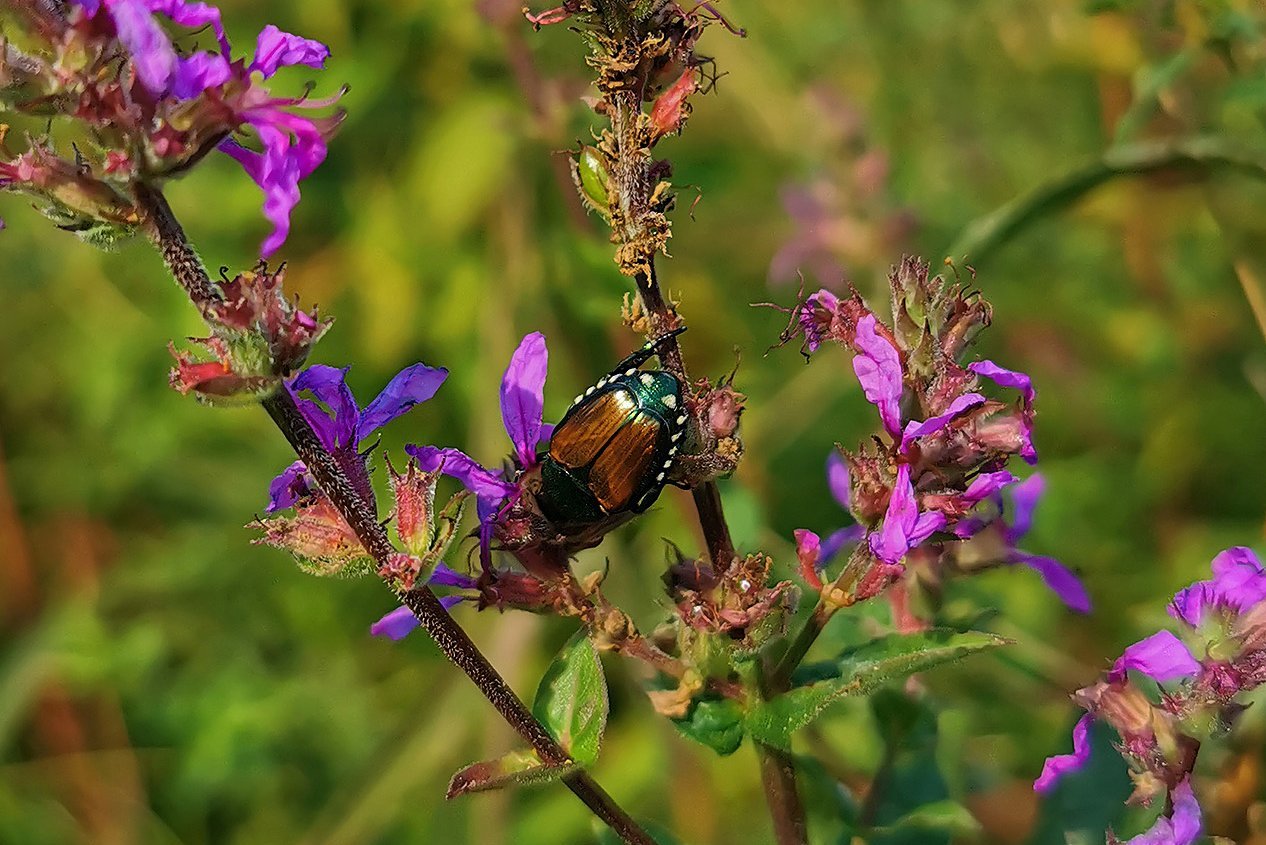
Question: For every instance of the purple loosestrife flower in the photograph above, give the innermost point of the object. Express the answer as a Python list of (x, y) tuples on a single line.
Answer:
[(160, 111), (522, 410), (942, 468), (1220, 654), (904, 527), (342, 425)]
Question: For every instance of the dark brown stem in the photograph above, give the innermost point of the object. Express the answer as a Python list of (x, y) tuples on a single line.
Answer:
[(778, 775), (182, 262), (780, 677), (360, 515), (716, 531)]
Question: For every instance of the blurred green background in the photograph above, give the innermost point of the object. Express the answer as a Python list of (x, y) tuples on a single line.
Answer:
[(164, 681)]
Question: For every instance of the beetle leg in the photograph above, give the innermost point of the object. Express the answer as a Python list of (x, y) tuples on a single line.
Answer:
[(649, 349)]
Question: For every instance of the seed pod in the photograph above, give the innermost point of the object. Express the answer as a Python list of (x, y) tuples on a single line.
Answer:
[(590, 174)]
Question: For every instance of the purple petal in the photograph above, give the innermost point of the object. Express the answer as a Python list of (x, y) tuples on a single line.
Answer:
[(289, 487), (90, 7), (198, 72), (446, 577), (927, 524), (987, 484), (903, 527), (846, 536), (1162, 657), (193, 16), (957, 408), (1006, 378), (293, 147), (1061, 764), (1024, 499), (878, 369), (1238, 583), (1190, 603), (397, 624), (489, 489), (450, 602), (329, 385), (1061, 580), (837, 478), (153, 57), (809, 550), (411, 386), (1017, 381), (523, 396), (810, 323), (1181, 827), (276, 49)]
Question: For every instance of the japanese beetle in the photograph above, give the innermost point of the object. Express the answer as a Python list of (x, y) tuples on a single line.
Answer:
[(611, 452)]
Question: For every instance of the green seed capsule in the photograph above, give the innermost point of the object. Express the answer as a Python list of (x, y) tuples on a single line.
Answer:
[(592, 179)]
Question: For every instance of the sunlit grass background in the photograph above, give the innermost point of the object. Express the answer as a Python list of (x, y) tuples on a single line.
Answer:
[(163, 681)]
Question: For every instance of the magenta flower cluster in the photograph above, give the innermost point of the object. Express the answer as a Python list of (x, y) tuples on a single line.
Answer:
[(1219, 653), (941, 471), (161, 110)]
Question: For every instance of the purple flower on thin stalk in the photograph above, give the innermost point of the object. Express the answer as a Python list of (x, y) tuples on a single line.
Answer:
[(1238, 584), (293, 144), (187, 103), (522, 410), (342, 425), (1160, 739), (904, 526)]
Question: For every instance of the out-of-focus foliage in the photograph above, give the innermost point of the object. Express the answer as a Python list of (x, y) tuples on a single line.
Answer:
[(163, 681)]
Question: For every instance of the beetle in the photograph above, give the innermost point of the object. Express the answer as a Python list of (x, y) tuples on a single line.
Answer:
[(612, 451)]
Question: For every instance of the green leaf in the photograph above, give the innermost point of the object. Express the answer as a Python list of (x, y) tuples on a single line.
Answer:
[(518, 768), (909, 778), (716, 723), (860, 671), (947, 817), (572, 699)]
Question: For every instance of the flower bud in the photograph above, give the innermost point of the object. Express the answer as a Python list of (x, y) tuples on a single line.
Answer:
[(670, 110), (319, 538), (414, 492), (258, 338)]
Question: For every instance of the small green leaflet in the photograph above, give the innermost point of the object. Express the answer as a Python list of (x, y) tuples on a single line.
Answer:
[(572, 699), (572, 703), (860, 671)]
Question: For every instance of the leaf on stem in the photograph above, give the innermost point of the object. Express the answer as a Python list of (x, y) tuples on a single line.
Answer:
[(518, 768), (572, 700), (572, 703), (714, 722), (860, 671)]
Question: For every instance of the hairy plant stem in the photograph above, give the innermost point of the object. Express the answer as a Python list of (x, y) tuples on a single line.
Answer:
[(182, 262), (716, 531), (780, 676)]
